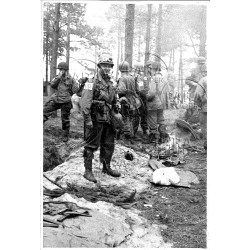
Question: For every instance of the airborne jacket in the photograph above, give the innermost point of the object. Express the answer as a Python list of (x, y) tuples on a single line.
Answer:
[(157, 96), (95, 94), (127, 87), (65, 88), (200, 96)]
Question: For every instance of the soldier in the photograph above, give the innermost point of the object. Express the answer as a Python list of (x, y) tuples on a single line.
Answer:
[(141, 83), (195, 76), (172, 85), (98, 100), (201, 99), (130, 101), (65, 87), (157, 95)]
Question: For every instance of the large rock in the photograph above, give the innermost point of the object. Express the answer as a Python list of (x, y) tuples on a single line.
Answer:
[(109, 226), (99, 230)]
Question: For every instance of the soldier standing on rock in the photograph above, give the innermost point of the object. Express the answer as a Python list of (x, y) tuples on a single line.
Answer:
[(65, 87), (98, 100)]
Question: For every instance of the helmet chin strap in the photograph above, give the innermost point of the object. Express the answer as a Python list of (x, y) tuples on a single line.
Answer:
[(104, 75)]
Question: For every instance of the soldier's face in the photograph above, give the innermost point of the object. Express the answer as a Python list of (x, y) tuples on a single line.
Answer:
[(107, 68), (62, 72)]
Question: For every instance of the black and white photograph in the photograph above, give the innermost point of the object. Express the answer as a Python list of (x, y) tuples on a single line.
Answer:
[(124, 124)]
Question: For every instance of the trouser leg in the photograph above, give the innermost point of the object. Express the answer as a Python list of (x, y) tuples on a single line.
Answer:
[(143, 115), (48, 109), (162, 126), (203, 123), (135, 123), (92, 143), (107, 147), (65, 115), (152, 124)]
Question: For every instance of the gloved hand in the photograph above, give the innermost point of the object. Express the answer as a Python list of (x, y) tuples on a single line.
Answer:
[(83, 80)]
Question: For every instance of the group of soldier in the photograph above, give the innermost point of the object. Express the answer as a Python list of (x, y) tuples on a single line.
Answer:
[(113, 109)]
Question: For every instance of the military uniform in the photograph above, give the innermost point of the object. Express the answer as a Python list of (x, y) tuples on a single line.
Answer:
[(195, 77), (65, 87), (201, 99), (98, 99), (172, 85), (142, 86), (130, 104), (157, 97)]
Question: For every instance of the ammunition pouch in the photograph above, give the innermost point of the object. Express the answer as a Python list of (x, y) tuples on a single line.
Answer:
[(100, 111)]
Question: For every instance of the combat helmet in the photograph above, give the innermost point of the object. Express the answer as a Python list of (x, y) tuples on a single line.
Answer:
[(149, 64), (139, 67), (63, 65), (156, 66), (105, 66), (105, 59), (201, 60), (124, 66)]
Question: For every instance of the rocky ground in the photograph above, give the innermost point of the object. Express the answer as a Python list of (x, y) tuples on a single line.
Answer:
[(158, 216)]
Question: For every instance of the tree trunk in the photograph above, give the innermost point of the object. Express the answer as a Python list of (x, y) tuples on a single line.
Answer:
[(55, 42), (181, 74), (173, 58), (139, 46), (129, 32), (46, 56), (122, 50), (159, 34), (54, 54), (203, 33), (68, 39), (148, 33), (170, 58), (119, 48)]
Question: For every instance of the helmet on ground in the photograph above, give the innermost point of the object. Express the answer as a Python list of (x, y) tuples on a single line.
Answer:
[(201, 60), (156, 66), (63, 65), (124, 66)]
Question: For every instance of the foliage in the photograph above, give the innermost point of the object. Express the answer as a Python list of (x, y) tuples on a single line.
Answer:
[(87, 35)]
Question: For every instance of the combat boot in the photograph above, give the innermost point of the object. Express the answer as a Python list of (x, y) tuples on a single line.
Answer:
[(88, 174), (65, 136), (107, 170)]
